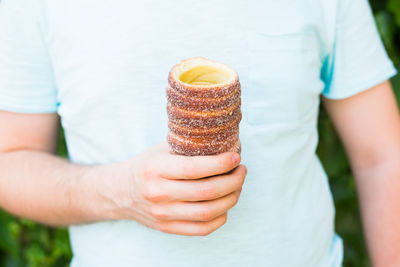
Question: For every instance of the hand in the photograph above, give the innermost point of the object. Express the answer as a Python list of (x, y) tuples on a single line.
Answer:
[(183, 195)]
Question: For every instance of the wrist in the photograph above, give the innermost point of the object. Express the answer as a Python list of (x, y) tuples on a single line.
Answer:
[(112, 188)]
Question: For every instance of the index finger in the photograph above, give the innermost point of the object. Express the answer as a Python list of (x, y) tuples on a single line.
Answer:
[(195, 167)]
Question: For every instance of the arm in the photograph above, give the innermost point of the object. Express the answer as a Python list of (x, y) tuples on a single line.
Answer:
[(36, 184), (369, 126), (154, 188), (157, 189)]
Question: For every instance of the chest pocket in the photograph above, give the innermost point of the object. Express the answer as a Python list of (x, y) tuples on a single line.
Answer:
[(284, 78)]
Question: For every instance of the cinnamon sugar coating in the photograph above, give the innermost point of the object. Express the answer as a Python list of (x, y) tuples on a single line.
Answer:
[(204, 109)]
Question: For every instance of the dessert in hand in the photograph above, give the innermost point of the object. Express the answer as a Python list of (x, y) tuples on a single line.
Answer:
[(203, 108)]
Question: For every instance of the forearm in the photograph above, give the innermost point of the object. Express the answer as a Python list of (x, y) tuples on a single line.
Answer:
[(379, 194), (50, 190)]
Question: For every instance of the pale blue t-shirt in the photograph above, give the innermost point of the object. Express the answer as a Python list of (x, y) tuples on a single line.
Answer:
[(103, 66)]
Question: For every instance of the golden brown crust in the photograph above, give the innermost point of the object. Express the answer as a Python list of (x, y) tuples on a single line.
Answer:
[(202, 103), (203, 119), (223, 130), (182, 145)]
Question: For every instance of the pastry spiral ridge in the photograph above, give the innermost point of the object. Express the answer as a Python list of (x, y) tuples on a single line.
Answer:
[(203, 107)]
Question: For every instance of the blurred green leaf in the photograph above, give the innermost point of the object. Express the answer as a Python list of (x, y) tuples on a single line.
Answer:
[(396, 86), (384, 22), (394, 7)]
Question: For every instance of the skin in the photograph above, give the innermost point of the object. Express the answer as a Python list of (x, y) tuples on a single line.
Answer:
[(369, 126), (191, 195), (173, 194)]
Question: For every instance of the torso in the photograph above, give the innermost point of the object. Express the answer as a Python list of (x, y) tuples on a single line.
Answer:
[(111, 60)]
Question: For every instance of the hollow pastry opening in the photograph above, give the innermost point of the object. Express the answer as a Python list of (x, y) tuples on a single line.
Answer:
[(204, 75), (202, 72)]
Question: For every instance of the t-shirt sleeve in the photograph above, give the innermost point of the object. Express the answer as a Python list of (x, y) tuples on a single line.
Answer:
[(26, 78), (358, 60)]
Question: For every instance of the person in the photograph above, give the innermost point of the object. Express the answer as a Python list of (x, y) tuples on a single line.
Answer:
[(101, 68)]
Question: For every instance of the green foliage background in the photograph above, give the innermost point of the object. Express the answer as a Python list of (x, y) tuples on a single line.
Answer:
[(24, 243)]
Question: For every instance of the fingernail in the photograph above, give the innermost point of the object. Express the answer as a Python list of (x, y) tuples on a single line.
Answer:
[(236, 158)]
